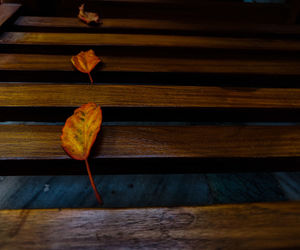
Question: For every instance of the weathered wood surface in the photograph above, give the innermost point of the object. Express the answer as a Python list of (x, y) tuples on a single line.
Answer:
[(108, 95), (145, 190), (248, 226), (7, 11), (137, 40), (169, 53), (40, 62), (128, 24), (43, 142)]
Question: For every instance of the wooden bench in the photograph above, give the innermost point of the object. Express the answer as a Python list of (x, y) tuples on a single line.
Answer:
[(176, 95)]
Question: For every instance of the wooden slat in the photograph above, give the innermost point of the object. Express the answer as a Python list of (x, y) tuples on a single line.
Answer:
[(7, 11), (134, 40), (63, 95), (246, 226), (41, 23), (43, 142), (39, 62)]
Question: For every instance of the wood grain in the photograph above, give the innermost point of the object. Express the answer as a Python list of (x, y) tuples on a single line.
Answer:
[(41, 62), (246, 226), (7, 11), (67, 95), (43, 142), (129, 24), (137, 40)]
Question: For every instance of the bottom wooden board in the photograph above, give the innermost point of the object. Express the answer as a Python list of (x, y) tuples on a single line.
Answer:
[(247, 226)]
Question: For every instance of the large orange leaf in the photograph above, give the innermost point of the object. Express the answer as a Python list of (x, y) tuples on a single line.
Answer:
[(79, 134), (85, 62), (80, 131)]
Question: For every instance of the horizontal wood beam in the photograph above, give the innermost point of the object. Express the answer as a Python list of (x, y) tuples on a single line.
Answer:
[(109, 95), (138, 40), (42, 62), (43, 142), (245, 226), (131, 25)]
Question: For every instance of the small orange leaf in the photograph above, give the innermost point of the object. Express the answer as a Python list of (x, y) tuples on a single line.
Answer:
[(79, 134), (88, 17), (85, 62)]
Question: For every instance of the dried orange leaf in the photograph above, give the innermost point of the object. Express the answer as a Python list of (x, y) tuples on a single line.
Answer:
[(80, 131), (79, 134), (85, 62), (88, 17)]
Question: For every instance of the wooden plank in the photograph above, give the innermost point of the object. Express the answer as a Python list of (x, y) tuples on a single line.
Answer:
[(40, 62), (128, 24), (137, 40), (43, 142), (245, 226), (7, 11), (67, 95)]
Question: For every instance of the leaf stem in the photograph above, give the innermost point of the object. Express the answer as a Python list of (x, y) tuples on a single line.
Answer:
[(91, 79), (92, 183)]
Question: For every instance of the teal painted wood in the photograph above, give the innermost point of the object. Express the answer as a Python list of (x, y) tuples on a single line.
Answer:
[(245, 187), (290, 183), (146, 190)]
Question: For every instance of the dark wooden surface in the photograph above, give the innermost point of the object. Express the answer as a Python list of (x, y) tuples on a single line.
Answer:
[(248, 226), (168, 140), (224, 141), (43, 142), (160, 88), (113, 95), (144, 25), (135, 40), (44, 62)]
